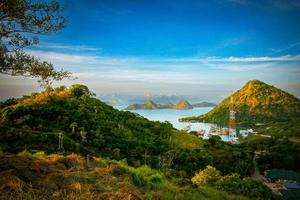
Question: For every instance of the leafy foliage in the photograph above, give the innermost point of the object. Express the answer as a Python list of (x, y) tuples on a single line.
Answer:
[(209, 175), (20, 23), (109, 132), (232, 183)]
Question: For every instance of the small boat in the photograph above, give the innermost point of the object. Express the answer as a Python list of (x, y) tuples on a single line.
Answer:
[(187, 128), (234, 140), (209, 135), (200, 133), (213, 129), (224, 131)]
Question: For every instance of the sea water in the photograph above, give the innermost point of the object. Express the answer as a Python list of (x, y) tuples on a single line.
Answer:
[(172, 116)]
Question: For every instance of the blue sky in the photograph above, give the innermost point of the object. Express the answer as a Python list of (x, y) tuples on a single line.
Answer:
[(198, 49)]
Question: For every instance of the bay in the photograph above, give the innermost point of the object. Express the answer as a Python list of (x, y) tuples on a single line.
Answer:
[(172, 116)]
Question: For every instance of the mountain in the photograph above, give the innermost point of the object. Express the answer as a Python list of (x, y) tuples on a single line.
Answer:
[(256, 102), (183, 105), (150, 105), (204, 104)]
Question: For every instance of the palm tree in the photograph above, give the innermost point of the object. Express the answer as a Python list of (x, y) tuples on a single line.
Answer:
[(73, 126), (83, 134)]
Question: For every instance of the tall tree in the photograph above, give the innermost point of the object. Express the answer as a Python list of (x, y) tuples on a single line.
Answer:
[(21, 22)]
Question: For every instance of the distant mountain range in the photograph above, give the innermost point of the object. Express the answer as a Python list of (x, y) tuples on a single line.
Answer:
[(180, 105), (256, 102)]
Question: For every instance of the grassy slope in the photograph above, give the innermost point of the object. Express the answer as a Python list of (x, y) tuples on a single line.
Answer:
[(38, 176), (183, 140), (255, 102)]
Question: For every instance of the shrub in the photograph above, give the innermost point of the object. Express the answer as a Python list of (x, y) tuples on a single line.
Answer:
[(209, 175), (39, 154), (146, 177)]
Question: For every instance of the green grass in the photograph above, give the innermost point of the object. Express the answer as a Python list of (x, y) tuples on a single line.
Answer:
[(184, 140)]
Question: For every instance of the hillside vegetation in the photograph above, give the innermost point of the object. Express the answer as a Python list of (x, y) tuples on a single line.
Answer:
[(256, 102), (91, 128), (41, 176)]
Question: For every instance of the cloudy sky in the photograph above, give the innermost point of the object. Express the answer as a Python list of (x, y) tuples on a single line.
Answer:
[(198, 49)]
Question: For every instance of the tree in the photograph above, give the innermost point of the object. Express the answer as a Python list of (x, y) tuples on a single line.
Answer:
[(21, 21), (73, 126), (209, 175), (79, 90)]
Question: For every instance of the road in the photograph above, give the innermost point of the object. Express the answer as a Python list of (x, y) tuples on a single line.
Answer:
[(257, 176)]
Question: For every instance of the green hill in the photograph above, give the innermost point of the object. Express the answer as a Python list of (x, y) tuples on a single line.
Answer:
[(148, 105), (87, 124), (90, 126), (183, 105), (256, 102)]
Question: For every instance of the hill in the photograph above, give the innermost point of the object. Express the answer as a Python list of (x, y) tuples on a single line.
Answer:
[(256, 102), (156, 160), (204, 104), (150, 105), (89, 126), (183, 105)]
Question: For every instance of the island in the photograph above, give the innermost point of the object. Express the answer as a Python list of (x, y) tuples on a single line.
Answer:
[(204, 104), (150, 105)]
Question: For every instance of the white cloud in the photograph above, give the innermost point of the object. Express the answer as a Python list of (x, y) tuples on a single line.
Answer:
[(85, 62), (146, 76), (290, 47), (255, 59), (80, 60), (187, 76), (58, 46)]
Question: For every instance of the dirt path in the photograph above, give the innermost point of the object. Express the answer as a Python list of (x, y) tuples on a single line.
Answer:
[(257, 176)]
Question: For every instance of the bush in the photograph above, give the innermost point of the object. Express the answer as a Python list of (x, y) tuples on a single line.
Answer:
[(248, 187), (207, 176), (146, 177), (39, 154)]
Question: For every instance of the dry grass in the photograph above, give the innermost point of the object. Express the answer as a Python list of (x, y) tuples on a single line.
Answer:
[(71, 177)]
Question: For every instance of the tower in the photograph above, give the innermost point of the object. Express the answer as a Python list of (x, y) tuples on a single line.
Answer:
[(231, 123)]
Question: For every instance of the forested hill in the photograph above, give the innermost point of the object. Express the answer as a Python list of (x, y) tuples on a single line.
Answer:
[(256, 102), (89, 126), (35, 121), (164, 159)]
